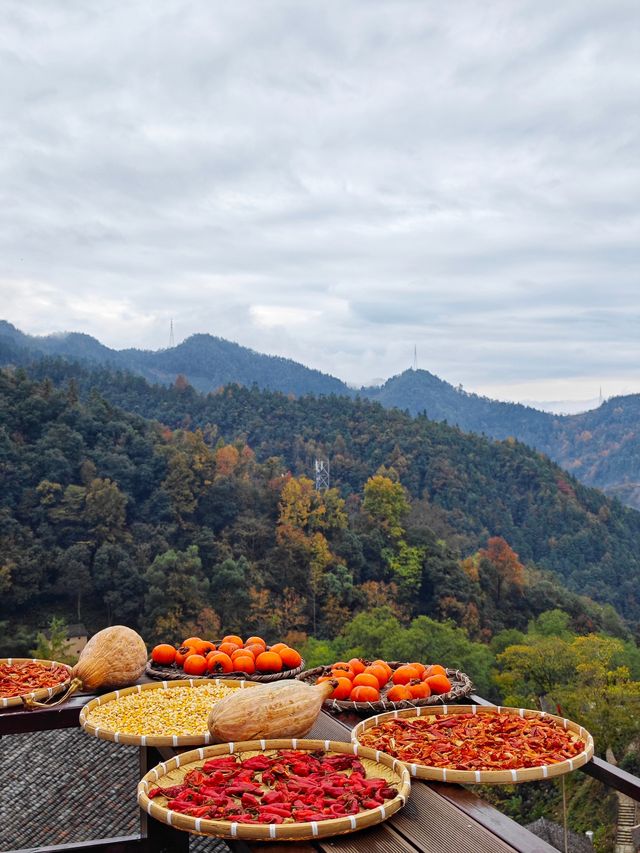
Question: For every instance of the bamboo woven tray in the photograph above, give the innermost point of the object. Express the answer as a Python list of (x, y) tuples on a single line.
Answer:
[(487, 777), (172, 773), (173, 673), (41, 694), (461, 686), (105, 733)]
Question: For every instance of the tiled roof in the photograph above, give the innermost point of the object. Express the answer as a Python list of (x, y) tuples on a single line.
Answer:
[(553, 834), (64, 786)]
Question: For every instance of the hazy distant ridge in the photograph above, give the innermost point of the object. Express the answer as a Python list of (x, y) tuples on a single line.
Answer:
[(601, 447)]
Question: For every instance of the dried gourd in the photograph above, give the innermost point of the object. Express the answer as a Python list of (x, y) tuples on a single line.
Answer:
[(114, 657), (281, 710)]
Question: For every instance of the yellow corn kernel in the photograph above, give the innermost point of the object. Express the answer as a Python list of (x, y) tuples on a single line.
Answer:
[(179, 710)]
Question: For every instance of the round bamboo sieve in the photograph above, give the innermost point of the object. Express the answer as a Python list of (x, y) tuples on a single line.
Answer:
[(152, 740), (487, 777), (172, 773), (41, 693)]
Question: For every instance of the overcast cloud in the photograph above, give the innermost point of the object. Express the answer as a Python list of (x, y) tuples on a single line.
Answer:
[(334, 182)]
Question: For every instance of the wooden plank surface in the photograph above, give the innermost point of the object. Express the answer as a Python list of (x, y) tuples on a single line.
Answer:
[(427, 823), (435, 826)]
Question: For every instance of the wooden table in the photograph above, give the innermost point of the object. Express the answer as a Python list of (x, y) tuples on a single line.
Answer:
[(438, 818)]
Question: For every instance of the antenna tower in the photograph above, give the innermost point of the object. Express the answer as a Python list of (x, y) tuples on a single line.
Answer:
[(322, 474), (172, 342), (415, 357)]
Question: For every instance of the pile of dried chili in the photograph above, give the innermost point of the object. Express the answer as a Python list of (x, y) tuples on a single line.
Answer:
[(496, 741), (18, 679), (284, 787)]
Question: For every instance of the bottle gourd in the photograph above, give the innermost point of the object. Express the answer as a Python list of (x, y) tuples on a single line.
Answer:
[(285, 709)]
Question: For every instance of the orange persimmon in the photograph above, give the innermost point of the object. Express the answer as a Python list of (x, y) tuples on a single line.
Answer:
[(366, 679), (195, 665), (244, 663), (164, 654), (383, 663), (434, 669), (438, 683), (269, 662), (404, 674), (419, 689), (290, 657), (380, 673), (343, 673), (183, 653), (342, 689), (399, 693), (219, 662), (363, 693)]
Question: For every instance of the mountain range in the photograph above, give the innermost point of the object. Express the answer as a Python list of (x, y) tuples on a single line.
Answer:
[(600, 447)]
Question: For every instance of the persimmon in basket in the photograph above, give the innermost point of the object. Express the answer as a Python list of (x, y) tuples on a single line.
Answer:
[(410, 681)]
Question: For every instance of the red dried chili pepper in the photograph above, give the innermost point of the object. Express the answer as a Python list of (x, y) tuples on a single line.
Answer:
[(491, 741), (18, 679), (289, 785)]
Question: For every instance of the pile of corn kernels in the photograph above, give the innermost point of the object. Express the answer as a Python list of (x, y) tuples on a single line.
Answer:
[(178, 710)]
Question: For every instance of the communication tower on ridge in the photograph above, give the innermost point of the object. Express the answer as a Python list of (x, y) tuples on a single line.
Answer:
[(172, 342), (322, 474), (415, 357)]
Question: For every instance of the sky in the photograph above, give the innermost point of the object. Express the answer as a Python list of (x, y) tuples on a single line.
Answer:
[(337, 182)]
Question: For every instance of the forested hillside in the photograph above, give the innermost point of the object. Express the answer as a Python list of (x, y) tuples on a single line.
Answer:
[(101, 508), (601, 447)]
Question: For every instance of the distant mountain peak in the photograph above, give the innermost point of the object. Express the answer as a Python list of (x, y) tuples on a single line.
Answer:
[(601, 446)]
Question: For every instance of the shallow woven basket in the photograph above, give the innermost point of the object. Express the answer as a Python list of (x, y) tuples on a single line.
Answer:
[(461, 686), (41, 694), (173, 772), (487, 777), (168, 673), (151, 740)]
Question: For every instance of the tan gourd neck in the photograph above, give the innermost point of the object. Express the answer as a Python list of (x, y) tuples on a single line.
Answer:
[(32, 704)]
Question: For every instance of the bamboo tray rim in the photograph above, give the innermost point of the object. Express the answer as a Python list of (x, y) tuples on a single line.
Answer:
[(303, 830), (152, 740), (40, 693), (461, 687), (486, 777)]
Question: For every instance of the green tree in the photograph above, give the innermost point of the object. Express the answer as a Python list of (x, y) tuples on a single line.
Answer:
[(105, 510), (55, 645), (229, 592), (117, 581), (583, 678), (74, 573), (176, 592), (385, 502), (406, 566), (180, 484)]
